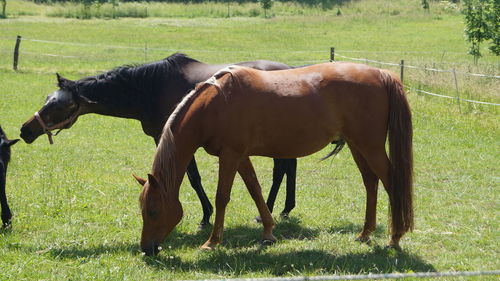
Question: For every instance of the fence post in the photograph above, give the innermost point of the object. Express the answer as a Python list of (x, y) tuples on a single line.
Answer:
[(16, 52), (332, 54), (456, 89), (402, 70)]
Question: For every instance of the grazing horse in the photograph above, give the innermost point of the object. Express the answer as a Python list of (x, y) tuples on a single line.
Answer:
[(148, 93), (241, 112), (5, 145)]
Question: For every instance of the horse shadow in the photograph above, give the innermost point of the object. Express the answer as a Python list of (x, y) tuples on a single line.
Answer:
[(256, 259), (242, 252)]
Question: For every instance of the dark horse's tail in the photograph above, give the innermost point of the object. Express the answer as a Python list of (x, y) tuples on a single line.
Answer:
[(400, 133)]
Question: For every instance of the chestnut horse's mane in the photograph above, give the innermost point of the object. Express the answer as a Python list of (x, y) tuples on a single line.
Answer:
[(164, 168)]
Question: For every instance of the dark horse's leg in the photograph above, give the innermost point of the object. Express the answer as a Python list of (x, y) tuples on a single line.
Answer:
[(291, 174), (279, 171), (6, 214), (195, 180)]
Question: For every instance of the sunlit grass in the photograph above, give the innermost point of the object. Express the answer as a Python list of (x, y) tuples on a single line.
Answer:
[(75, 203)]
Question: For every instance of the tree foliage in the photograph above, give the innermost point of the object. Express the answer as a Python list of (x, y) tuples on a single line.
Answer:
[(482, 25), (4, 6), (266, 5)]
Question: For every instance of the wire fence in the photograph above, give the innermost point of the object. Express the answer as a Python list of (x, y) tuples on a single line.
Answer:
[(251, 53), (373, 276)]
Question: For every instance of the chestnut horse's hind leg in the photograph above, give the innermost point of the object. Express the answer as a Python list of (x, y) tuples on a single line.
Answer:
[(370, 181), (380, 165), (247, 173), (195, 180), (228, 164)]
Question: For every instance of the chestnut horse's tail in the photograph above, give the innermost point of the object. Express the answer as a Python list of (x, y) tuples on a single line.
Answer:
[(400, 133)]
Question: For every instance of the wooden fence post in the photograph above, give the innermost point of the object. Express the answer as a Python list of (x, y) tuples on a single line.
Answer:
[(402, 65), (456, 89), (332, 54), (16, 52)]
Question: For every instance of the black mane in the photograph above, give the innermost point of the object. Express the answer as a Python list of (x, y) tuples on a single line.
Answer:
[(135, 82)]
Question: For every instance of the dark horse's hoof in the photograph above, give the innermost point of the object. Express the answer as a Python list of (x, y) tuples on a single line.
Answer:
[(267, 242), (285, 215), (203, 225), (7, 225)]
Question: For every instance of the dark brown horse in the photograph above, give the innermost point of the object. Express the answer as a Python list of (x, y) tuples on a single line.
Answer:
[(284, 114), (148, 93), (5, 145)]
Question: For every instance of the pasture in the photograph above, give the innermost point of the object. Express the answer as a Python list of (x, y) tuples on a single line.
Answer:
[(75, 203)]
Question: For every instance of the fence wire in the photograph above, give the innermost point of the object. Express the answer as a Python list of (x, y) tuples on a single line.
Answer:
[(373, 276), (365, 60)]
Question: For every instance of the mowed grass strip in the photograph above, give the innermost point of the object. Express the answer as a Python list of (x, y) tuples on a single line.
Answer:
[(76, 203)]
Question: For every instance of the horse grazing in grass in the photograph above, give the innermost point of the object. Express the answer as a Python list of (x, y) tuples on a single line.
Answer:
[(5, 145), (148, 93), (241, 112)]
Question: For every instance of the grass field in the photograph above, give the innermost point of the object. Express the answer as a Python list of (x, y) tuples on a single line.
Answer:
[(76, 204)]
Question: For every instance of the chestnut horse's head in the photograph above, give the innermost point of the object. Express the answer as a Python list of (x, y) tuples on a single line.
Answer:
[(60, 111), (159, 214)]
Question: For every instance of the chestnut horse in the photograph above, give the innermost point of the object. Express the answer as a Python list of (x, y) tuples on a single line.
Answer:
[(241, 112)]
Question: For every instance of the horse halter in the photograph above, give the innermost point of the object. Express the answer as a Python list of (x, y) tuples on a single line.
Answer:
[(61, 125)]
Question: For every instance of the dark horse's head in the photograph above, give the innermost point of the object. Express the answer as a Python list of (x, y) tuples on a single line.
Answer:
[(120, 92), (60, 111), (5, 145)]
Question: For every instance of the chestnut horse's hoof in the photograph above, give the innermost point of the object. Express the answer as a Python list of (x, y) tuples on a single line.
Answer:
[(258, 219), (267, 242), (208, 246), (394, 246), (364, 239)]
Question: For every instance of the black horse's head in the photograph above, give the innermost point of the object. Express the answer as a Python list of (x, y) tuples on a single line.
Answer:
[(60, 111), (5, 145)]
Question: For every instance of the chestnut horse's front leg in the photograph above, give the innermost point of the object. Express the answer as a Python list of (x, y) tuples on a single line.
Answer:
[(247, 172), (228, 164)]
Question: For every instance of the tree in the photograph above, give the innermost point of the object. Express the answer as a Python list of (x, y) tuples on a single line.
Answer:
[(266, 5), (425, 5), (481, 21), (4, 6)]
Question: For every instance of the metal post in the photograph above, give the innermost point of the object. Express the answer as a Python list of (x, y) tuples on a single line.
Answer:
[(402, 70), (16, 52), (332, 54)]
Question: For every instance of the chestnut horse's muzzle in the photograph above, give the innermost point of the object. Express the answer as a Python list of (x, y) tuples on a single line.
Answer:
[(151, 248)]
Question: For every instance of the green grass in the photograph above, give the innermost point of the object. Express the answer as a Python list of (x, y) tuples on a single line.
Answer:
[(76, 204)]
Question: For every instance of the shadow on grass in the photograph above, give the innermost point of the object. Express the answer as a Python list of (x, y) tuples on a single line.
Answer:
[(378, 260), (240, 253)]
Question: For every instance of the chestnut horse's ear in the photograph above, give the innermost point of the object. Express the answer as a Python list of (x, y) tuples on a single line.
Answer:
[(12, 142), (140, 180), (152, 180)]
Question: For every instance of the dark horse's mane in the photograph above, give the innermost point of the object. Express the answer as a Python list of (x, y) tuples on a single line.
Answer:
[(134, 81)]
